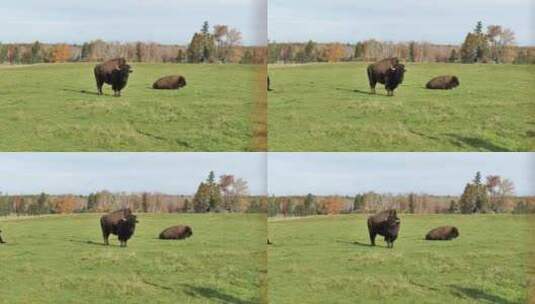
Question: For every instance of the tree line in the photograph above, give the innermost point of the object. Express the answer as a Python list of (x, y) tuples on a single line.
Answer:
[(227, 194), (495, 45), (222, 44), (494, 194)]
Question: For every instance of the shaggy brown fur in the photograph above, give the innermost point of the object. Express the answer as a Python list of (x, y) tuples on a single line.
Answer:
[(384, 223), (119, 79), (104, 70), (444, 233), (179, 232), (126, 228), (110, 223), (393, 78), (172, 82), (443, 83), (377, 73)]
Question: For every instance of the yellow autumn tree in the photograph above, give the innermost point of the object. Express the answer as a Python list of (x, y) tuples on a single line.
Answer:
[(61, 53), (65, 204), (334, 52)]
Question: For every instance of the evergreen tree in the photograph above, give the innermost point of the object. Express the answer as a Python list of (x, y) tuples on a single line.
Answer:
[(412, 203), (478, 179), (86, 51), (92, 202), (479, 28), (145, 202), (469, 49), (196, 48), (201, 200), (36, 52), (360, 51), (211, 178), (358, 203), (453, 56), (3, 53), (309, 204), (205, 28), (41, 203), (309, 51), (412, 51)]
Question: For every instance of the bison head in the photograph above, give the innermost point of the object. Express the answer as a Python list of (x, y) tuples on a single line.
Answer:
[(127, 224), (454, 82), (393, 221), (454, 232), (188, 231), (181, 82)]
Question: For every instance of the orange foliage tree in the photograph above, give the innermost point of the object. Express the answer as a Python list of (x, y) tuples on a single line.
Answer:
[(331, 205), (61, 53), (65, 204), (334, 52)]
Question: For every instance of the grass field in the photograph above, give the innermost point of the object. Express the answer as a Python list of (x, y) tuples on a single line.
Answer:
[(326, 107), (54, 107), (328, 260), (60, 259)]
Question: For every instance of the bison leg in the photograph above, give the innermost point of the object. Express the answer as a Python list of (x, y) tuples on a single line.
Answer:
[(106, 235), (372, 238), (372, 80), (100, 83)]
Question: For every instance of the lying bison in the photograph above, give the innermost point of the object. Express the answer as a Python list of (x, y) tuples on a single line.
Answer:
[(121, 223), (179, 232), (1, 241), (444, 233), (113, 72), (443, 83), (172, 82), (388, 72), (384, 223)]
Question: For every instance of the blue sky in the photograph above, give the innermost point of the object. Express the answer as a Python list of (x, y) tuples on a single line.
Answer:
[(437, 21), (164, 21), (288, 173), (82, 173), (434, 173)]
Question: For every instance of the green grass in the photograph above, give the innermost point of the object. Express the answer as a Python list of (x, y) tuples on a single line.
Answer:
[(326, 107), (318, 260), (54, 107), (61, 259)]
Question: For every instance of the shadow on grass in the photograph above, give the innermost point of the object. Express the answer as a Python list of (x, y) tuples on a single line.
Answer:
[(478, 295), (477, 143), (214, 295), (92, 243), (361, 92), (359, 244), (83, 92)]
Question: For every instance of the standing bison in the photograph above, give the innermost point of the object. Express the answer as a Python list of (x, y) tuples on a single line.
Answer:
[(113, 72), (1, 241), (388, 72), (172, 82), (385, 223), (443, 83), (444, 233), (121, 223), (179, 232)]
